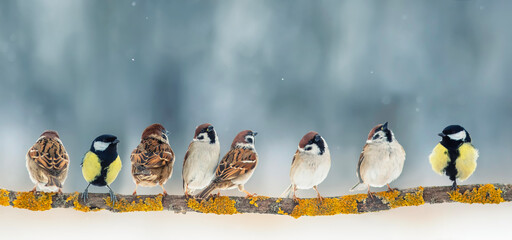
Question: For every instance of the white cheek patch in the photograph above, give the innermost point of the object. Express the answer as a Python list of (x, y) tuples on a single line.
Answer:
[(312, 148), (100, 146), (458, 136), (202, 137)]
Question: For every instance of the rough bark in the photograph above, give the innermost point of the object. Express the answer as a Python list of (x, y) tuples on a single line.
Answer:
[(179, 204)]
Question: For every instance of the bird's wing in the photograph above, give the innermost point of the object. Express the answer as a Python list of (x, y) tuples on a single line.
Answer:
[(236, 162), (162, 156), (294, 156), (361, 159), (186, 154), (49, 155)]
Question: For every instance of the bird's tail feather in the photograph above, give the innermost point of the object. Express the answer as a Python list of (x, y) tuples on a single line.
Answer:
[(287, 193), (207, 190), (358, 187), (53, 182)]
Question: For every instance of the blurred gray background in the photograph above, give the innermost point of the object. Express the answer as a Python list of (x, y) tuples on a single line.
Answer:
[(281, 68)]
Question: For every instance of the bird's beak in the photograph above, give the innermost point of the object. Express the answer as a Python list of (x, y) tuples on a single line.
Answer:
[(166, 132), (385, 126), (254, 133), (116, 141), (441, 135), (209, 129), (317, 138)]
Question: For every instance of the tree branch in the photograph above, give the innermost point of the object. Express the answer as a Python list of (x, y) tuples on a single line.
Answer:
[(359, 203)]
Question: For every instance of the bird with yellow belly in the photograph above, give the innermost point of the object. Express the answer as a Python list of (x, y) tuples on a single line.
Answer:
[(101, 164), (454, 156)]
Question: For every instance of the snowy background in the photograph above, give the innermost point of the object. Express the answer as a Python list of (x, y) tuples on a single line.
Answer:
[(281, 68)]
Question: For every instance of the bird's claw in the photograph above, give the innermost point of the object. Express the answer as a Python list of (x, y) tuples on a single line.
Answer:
[(85, 196)]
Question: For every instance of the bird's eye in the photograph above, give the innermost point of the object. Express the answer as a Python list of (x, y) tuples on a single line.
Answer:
[(164, 136), (200, 137), (308, 148)]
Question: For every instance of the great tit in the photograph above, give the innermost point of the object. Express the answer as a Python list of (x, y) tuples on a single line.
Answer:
[(101, 164), (454, 156)]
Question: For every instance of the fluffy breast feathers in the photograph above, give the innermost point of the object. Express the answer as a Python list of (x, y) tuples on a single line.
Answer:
[(91, 166), (466, 163), (439, 159), (112, 170)]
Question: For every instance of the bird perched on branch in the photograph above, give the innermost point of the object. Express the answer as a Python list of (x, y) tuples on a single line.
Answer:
[(101, 164), (310, 165), (237, 166), (48, 162), (454, 156), (201, 159), (381, 160), (153, 159)]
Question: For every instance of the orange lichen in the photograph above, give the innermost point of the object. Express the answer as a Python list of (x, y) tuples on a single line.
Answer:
[(484, 194), (28, 200), (217, 205), (148, 204), (329, 206), (4, 197), (257, 198), (77, 205), (394, 200), (280, 211)]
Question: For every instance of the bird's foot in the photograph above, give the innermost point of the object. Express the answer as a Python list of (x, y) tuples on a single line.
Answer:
[(370, 195), (454, 186), (390, 189), (85, 196)]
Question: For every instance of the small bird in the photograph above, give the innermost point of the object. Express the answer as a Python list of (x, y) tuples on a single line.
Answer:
[(310, 164), (454, 156), (101, 164), (201, 159), (381, 160), (48, 162), (153, 159), (237, 166)]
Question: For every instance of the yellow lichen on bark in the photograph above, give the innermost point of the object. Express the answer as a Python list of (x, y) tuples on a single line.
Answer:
[(77, 205), (142, 205), (394, 200), (329, 206), (4, 197), (280, 211), (217, 205), (484, 194), (29, 200), (257, 198)]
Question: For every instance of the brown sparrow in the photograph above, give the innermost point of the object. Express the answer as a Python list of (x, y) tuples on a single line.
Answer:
[(201, 159), (381, 160), (48, 162), (237, 166), (310, 165), (153, 159)]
